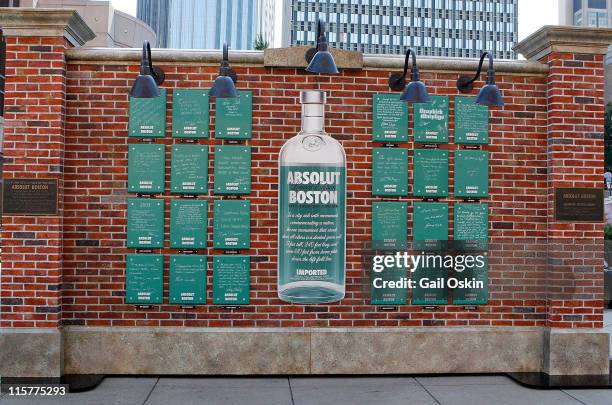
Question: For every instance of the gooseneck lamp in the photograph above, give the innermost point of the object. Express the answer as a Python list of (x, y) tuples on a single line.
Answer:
[(319, 58), (147, 82), (224, 85), (489, 94), (415, 91)]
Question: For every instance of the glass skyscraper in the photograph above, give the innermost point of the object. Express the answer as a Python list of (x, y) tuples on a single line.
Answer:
[(207, 24), (460, 28)]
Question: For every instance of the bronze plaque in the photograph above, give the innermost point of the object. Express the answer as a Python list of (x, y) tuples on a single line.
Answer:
[(30, 196), (579, 204)]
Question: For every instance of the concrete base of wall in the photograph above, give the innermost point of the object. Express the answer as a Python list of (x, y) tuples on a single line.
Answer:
[(220, 351)]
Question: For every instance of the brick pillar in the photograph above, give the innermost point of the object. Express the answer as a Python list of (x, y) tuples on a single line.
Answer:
[(30, 284), (575, 159)]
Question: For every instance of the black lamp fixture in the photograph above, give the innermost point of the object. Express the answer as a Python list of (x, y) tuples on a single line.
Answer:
[(319, 59), (147, 82), (224, 85), (489, 94), (415, 91)]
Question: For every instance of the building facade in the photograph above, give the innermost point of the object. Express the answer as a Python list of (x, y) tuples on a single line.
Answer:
[(586, 13), (206, 24), (461, 28)]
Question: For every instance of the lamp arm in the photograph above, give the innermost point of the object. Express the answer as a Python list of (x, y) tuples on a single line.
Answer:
[(482, 56), (225, 52), (319, 29)]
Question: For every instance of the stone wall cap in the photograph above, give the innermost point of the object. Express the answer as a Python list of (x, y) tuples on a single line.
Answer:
[(213, 56), (45, 22), (554, 38), (295, 56)]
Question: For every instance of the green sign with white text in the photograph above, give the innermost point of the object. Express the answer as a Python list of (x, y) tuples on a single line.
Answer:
[(475, 290), (146, 168), (471, 121), (381, 292), (471, 225), (390, 171), (187, 279), (431, 120), (190, 109), (430, 173), (430, 284), (232, 169), (232, 224), (389, 225), (234, 116), (145, 223), (147, 117), (430, 221), (471, 173), (188, 223), (189, 169), (231, 280), (144, 279), (389, 118)]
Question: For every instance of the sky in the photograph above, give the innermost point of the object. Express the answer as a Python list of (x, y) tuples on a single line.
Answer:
[(532, 15)]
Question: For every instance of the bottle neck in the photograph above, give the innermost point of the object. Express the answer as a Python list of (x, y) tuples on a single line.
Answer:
[(313, 118)]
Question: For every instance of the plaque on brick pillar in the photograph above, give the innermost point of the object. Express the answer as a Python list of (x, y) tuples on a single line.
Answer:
[(431, 120), (234, 116), (389, 118), (145, 223), (430, 173), (474, 289), (232, 169), (471, 173), (190, 109), (188, 224), (144, 279), (471, 226), (189, 169), (430, 225), (187, 281), (231, 280), (387, 286), (430, 284), (471, 121), (147, 117), (390, 171), (232, 224), (29, 196), (146, 168), (389, 225)]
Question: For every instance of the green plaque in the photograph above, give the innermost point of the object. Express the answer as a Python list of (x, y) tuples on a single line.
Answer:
[(233, 169), (471, 121), (144, 279), (234, 116), (471, 173), (146, 168), (232, 224), (190, 113), (430, 284), (475, 290), (390, 171), (388, 286), (189, 169), (145, 223), (188, 223), (430, 222), (147, 117), (430, 173), (389, 118), (389, 225), (471, 225), (431, 120), (187, 279), (231, 280)]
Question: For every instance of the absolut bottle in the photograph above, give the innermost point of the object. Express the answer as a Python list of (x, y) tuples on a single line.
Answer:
[(312, 210)]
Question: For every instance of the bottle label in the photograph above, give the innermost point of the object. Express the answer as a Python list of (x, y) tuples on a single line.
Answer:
[(311, 224)]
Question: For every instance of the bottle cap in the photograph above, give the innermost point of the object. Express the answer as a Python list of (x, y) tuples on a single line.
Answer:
[(312, 97)]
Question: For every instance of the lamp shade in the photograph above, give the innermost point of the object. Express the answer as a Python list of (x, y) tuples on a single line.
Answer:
[(144, 87), (490, 95), (323, 62), (223, 87), (415, 92)]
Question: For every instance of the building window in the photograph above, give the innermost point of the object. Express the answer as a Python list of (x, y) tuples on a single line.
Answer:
[(600, 4)]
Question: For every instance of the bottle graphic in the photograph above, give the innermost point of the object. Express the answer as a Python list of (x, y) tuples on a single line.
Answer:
[(312, 210)]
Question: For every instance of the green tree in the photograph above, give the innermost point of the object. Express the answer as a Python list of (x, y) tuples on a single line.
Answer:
[(608, 136), (260, 42)]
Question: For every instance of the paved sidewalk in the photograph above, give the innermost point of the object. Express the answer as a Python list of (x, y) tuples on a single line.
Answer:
[(469, 390)]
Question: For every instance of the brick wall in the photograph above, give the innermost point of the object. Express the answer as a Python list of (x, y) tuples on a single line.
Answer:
[(524, 282)]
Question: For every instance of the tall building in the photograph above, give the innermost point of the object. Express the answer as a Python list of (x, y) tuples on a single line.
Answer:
[(431, 27), (207, 24), (586, 13)]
